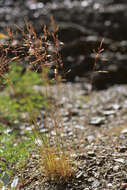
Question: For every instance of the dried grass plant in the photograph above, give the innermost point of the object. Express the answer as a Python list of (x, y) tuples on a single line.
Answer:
[(39, 53)]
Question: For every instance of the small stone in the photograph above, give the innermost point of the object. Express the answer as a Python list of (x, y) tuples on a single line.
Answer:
[(109, 112), (90, 138), (97, 120), (8, 131), (91, 179), (53, 133), (116, 106), (73, 113), (121, 160), (124, 131), (95, 184), (38, 142), (109, 185), (73, 155), (122, 149), (29, 128), (65, 119), (79, 127), (70, 133), (15, 182), (91, 153), (43, 130), (79, 175), (116, 168), (124, 185)]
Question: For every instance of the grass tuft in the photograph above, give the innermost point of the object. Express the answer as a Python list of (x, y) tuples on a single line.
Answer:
[(22, 67), (56, 164)]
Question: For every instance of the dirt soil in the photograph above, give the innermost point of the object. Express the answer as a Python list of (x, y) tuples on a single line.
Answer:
[(95, 130)]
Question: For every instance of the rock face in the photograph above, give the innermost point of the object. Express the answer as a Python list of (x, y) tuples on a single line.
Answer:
[(82, 24)]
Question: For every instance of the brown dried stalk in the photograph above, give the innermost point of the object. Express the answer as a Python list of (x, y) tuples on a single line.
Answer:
[(97, 56)]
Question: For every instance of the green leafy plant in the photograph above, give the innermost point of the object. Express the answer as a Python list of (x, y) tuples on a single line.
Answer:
[(19, 92), (13, 150)]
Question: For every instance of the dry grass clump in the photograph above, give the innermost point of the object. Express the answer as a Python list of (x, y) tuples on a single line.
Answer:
[(97, 53), (35, 52), (4, 65), (56, 164), (40, 53)]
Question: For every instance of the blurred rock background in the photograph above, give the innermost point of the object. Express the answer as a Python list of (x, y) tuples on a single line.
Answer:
[(83, 24)]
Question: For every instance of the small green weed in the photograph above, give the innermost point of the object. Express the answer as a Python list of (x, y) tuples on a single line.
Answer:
[(13, 150), (15, 98), (19, 92)]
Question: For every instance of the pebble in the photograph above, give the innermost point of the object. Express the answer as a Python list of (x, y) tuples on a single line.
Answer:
[(44, 130), (116, 106), (109, 112), (15, 182), (124, 131), (79, 175), (91, 153), (90, 138), (109, 185), (122, 148), (95, 184), (97, 120), (79, 127), (121, 160), (116, 168), (91, 179)]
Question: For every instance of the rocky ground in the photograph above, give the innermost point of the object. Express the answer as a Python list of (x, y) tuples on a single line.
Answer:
[(95, 129), (82, 25), (95, 124)]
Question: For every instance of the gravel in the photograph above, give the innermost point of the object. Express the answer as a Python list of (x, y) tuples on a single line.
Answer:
[(98, 147)]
